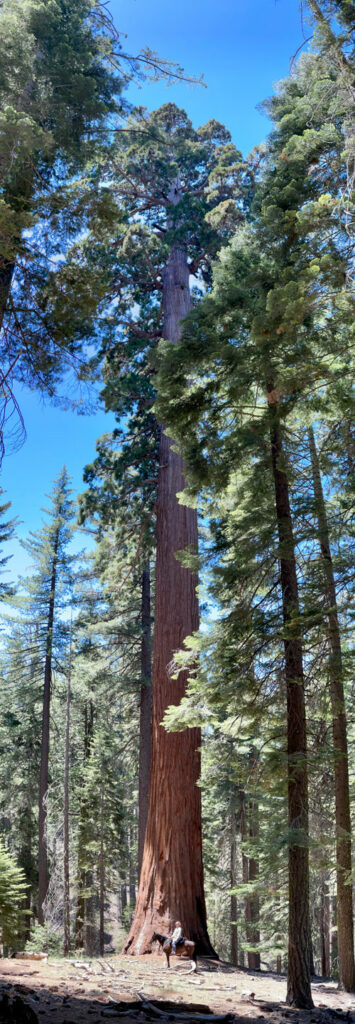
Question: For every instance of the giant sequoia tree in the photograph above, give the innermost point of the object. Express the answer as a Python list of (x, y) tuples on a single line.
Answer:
[(174, 185)]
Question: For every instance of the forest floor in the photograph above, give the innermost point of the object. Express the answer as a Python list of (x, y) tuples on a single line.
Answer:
[(92, 991)]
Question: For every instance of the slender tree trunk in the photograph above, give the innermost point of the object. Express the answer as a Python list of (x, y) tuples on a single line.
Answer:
[(43, 778), (250, 871), (334, 938), (325, 930), (233, 882), (145, 722), (254, 933), (171, 884), (123, 897), (298, 980), (66, 855), (340, 743)]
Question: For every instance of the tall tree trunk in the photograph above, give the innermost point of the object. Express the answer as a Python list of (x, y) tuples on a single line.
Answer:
[(250, 871), (43, 777), (325, 930), (171, 883), (334, 939), (340, 743), (233, 882), (66, 854), (145, 720), (254, 933), (298, 979)]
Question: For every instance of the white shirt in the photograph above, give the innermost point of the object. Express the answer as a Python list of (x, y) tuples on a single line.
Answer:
[(177, 933)]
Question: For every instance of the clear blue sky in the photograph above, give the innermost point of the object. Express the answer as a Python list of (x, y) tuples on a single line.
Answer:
[(242, 47)]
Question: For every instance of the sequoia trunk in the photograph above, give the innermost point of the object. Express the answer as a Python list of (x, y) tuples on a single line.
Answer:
[(171, 882), (145, 722), (340, 743), (298, 978)]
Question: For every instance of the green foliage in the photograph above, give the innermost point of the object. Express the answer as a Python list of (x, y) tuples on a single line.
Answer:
[(44, 940), (12, 892)]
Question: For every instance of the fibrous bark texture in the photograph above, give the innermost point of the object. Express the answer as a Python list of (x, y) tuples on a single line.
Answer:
[(171, 882), (145, 721), (298, 978)]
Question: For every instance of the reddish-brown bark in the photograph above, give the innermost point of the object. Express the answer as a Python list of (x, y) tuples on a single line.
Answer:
[(171, 881), (145, 718)]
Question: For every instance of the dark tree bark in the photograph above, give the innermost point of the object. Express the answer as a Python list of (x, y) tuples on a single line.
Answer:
[(254, 933), (171, 884), (145, 720), (298, 979), (233, 882), (250, 871), (340, 742), (43, 778), (325, 930), (66, 855), (334, 939)]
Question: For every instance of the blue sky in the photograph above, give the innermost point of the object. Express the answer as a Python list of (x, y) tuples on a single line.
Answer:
[(242, 47)]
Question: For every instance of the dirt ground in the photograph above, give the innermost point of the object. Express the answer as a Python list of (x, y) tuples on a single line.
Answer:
[(77, 991)]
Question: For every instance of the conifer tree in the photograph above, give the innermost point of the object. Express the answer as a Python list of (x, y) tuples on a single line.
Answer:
[(56, 88), (175, 185), (47, 594)]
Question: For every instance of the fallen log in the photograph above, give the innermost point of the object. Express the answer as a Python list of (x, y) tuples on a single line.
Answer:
[(31, 956)]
